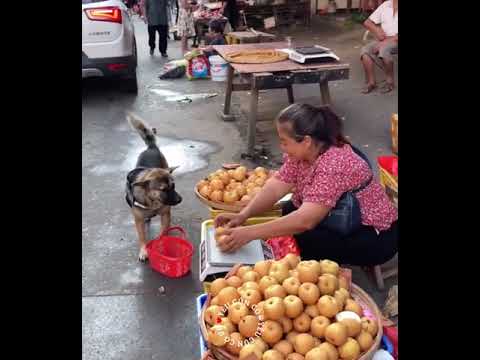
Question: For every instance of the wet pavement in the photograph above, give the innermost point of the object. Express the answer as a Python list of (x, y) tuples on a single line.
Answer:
[(125, 315)]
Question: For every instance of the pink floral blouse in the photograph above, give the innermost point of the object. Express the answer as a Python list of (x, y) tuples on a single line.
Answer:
[(336, 171)]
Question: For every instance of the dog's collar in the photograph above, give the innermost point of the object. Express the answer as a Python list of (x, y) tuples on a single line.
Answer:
[(130, 197), (137, 204)]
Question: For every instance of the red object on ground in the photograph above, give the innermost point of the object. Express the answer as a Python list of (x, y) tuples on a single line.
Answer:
[(389, 163), (169, 255), (391, 332), (283, 245)]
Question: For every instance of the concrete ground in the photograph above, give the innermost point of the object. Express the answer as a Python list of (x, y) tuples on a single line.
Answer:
[(125, 316)]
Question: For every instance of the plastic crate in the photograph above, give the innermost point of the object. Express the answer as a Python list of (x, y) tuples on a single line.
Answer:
[(203, 344), (268, 214), (387, 180)]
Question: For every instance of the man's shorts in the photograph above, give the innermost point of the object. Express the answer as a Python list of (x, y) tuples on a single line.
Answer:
[(385, 52)]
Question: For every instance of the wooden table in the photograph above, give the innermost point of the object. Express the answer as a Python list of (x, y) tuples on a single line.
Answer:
[(279, 75)]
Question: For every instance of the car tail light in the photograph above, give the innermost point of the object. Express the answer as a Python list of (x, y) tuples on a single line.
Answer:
[(116, 67), (107, 13)]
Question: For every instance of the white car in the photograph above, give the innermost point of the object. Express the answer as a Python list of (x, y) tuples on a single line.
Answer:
[(108, 42)]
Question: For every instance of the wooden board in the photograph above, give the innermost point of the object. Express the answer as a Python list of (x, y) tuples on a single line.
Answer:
[(286, 65)]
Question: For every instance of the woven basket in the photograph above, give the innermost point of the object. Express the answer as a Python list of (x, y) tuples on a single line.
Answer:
[(236, 206), (390, 184), (364, 300), (256, 56)]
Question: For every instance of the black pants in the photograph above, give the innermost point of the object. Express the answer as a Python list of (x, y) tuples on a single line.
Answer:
[(363, 248), (162, 34)]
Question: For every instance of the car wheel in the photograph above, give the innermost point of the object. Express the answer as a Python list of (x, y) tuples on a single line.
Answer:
[(135, 52), (131, 84)]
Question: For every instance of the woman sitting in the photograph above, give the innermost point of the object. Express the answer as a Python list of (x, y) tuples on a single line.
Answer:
[(319, 167)]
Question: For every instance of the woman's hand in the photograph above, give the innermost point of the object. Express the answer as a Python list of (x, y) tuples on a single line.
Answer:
[(233, 239), (230, 220)]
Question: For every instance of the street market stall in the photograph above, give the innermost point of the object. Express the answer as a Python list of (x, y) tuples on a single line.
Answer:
[(284, 12), (277, 75)]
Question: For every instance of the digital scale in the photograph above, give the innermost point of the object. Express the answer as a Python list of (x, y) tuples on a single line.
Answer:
[(311, 54)]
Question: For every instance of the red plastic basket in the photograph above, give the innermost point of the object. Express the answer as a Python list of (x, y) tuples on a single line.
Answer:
[(169, 255), (283, 245), (389, 163)]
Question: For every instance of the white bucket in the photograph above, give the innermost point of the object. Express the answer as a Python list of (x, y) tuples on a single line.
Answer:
[(218, 68)]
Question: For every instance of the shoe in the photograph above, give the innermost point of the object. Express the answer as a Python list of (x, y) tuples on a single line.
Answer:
[(151, 52), (164, 55)]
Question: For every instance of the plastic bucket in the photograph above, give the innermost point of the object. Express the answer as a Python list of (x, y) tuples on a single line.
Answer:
[(218, 68)]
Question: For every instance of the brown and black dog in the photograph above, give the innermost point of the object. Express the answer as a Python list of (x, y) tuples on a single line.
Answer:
[(150, 188)]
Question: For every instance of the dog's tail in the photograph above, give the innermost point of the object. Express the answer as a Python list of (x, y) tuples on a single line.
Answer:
[(139, 126)]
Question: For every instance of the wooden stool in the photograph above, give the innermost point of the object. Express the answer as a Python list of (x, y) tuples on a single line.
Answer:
[(382, 272)]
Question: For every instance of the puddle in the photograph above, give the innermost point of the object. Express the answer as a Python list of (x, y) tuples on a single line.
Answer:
[(188, 155), (163, 92), (191, 97), (173, 96)]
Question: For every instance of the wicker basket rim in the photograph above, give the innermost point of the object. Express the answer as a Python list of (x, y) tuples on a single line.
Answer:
[(356, 292)]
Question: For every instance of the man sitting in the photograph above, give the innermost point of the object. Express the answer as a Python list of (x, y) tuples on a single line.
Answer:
[(383, 23), (215, 37)]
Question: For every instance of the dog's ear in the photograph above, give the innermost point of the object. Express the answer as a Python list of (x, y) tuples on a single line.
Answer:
[(171, 169)]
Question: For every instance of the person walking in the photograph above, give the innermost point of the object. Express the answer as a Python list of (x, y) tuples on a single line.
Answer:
[(186, 25), (155, 13)]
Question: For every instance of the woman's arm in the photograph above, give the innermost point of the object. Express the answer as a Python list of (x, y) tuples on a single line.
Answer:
[(272, 191), (305, 218)]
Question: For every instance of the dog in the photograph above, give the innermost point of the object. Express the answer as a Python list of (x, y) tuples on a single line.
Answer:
[(150, 188)]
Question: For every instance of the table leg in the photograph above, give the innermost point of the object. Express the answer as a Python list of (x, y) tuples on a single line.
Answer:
[(291, 99), (252, 120), (228, 96), (325, 92)]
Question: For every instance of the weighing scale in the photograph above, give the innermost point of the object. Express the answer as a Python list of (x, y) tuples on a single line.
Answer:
[(311, 54)]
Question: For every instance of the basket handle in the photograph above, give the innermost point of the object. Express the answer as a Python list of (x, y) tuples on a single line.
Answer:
[(173, 228)]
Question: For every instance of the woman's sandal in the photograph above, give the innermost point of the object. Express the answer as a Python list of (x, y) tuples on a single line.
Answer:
[(369, 89), (387, 88)]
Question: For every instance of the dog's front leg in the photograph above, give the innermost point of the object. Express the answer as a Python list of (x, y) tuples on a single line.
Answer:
[(165, 219), (148, 222), (142, 242)]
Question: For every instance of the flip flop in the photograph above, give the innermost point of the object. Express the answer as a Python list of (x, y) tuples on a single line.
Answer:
[(387, 88), (368, 89)]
